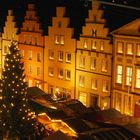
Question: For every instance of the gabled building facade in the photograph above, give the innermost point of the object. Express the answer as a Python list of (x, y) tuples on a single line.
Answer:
[(31, 44), (94, 61), (9, 33), (59, 56), (126, 67)]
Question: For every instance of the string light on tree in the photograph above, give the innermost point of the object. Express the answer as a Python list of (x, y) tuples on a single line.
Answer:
[(14, 105)]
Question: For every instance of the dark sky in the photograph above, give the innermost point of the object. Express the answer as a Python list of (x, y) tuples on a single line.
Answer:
[(76, 10)]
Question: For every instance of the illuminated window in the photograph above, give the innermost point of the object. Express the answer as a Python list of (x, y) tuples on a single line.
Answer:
[(38, 84), (62, 40), (30, 55), (38, 71), (22, 53), (105, 87), (68, 57), (102, 46), (51, 72), (104, 65), (119, 47), (30, 83), (30, 69), (83, 98), (138, 78), (60, 56), (82, 62), (127, 104), (5, 49), (57, 39), (128, 75), (51, 54), (118, 101), (138, 49), (68, 74), (93, 44), (94, 84), (50, 89), (60, 73), (93, 64), (129, 48), (38, 57), (85, 43), (81, 81), (119, 74)]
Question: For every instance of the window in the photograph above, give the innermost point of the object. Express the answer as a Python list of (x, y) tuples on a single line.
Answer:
[(85, 43), (38, 84), (94, 32), (33, 26), (38, 57), (83, 98), (128, 75), (50, 89), (68, 74), (105, 87), (57, 39), (94, 84), (30, 55), (22, 53), (102, 46), (36, 40), (38, 71), (59, 24), (51, 72), (30, 83), (51, 54), (30, 69), (138, 78), (129, 48), (93, 64), (138, 49), (119, 47), (68, 57), (104, 65), (60, 73), (81, 81), (25, 39), (5, 49), (60, 56), (62, 40), (30, 39), (82, 62), (93, 44), (119, 74)]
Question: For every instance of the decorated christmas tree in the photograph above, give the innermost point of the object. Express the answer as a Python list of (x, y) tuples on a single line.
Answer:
[(16, 117)]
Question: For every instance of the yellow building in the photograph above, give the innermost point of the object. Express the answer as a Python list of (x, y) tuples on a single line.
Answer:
[(94, 61), (31, 43), (126, 76), (9, 33), (59, 56)]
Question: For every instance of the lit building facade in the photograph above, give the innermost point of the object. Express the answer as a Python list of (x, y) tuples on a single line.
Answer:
[(59, 58), (9, 33), (94, 61), (31, 44), (126, 67)]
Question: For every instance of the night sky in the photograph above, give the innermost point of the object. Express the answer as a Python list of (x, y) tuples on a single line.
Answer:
[(75, 9)]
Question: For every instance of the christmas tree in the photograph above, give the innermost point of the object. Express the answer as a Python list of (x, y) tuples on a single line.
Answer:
[(16, 117)]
